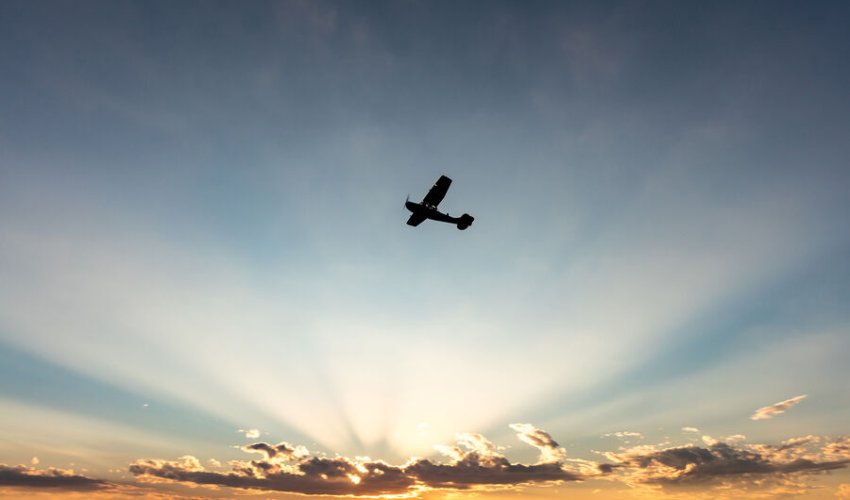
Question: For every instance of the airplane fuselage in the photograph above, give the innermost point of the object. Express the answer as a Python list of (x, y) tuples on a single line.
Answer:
[(432, 213)]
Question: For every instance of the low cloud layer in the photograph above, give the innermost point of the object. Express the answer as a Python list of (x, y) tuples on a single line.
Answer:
[(312, 476), (474, 461), (723, 462), (22, 476), (775, 409)]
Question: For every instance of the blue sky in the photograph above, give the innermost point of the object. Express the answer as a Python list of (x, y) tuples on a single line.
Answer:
[(202, 231)]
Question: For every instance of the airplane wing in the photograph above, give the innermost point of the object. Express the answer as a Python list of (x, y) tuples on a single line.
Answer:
[(415, 219), (437, 192)]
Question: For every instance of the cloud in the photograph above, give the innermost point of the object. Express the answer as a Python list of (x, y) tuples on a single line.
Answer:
[(283, 451), (22, 476), (723, 462), (624, 434), (465, 474), (838, 448), (734, 438), (690, 429), (474, 462), (775, 409), (251, 433), (710, 441), (309, 475), (312, 476), (550, 451)]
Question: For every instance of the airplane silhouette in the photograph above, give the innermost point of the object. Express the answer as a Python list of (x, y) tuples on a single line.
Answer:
[(427, 209)]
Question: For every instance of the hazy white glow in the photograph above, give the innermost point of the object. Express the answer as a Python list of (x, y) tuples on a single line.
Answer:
[(235, 349), (61, 437)]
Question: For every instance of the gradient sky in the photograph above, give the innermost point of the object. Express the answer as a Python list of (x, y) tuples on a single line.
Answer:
[(202, 235)]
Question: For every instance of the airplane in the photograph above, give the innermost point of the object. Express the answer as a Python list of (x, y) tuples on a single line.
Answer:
[(427, 209)]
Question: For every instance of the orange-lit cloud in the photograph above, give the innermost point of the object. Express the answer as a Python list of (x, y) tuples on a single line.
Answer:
[(722, 462), (477, 464), (312, 475), (550, 451), (474, 462), (775, 409)]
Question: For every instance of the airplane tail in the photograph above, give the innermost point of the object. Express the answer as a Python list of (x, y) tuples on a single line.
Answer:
[(465, 221)]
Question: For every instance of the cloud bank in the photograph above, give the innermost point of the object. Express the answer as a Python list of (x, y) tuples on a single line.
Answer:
[(474, 462), (723, 462), (22, 476)]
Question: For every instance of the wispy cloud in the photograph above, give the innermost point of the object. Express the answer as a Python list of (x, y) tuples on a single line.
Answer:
[(250, 433), (734, 438), (775, 409), (22, 476), (624, 434)]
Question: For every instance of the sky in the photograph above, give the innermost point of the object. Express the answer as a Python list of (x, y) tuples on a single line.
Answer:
[(208, 289)]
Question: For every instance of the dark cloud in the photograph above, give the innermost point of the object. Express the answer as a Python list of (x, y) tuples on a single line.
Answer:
[(461, 475), (284, 450), (721, 461), (21, 476), (315, 476), (474, 462), (607, 468)]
